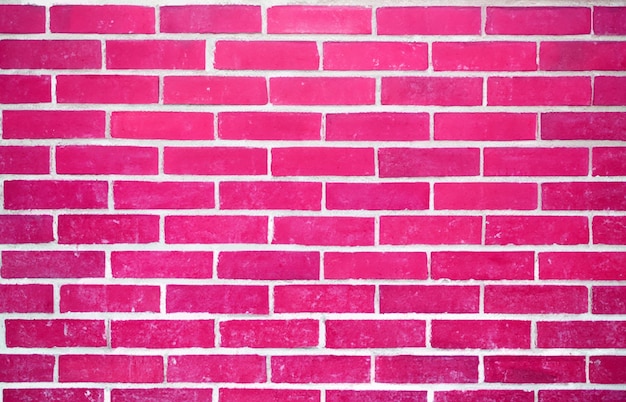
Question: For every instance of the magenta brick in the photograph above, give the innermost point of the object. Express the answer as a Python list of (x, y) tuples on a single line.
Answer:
[(162, 334), (377, 196), (482, 265), (484, 56), (215, 161), (438, 91), (217, 299), (352, 334), (582, 56), (534, 369), (161, 395), (413, 162), (26, 368), (536, 299), (324, 230), (270, 195), (55, 194), (536, 161), (26, 298), (375, 265), (266, 55), (50, 54), (163, 195), (269, 126), (324, 298), (428, 20), (322, 161), (609, 20), (377, 126), (55, 333), (108, 229), (25, 88), (162, 264), (322, 91), (428, 299), (485, 126), (54, 395), (268, 265), (103, 160), (538, 20), (609, 229), (109, 298), (609, 91), (24, 160), (155, 54), (584, 196), (582, 265), (607, 369), (52, 264), (126, 89), (110, 368), (162, 125), (350, 56), (22, 229), (608, 300), (216, 229), (539, 91), (211, 19), (22, 19), (269, 334), (263, 395), (430, 229), (474, 334), (375, 396), (42, 124), (581, 395), (481, 196), (212, 90), (484, 396), (536, 230), (405, 369), (583, 126), (109, 19), (581, 334), (216, 368), (320, 369), (319, 20)]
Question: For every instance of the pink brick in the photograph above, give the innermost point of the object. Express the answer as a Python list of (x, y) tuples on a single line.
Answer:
[(322, 91), (55, 194), (215, 229), (485, 396), (320, 369), (481, 196), (270, 195), (25, 88), (21, 19), (582, 265), (428, 299), (536, 299), (582, 56), (24, 160), (216, 368), (212, 90), (155, 54), (42, 124), (50, 54), (52, 264), (269, 265), (536, 161), (109, 298), (608, 300), (581, 334), (126, 89), (406, 369), (610, 91), (55, 333), (266, 55), (485, 126), (484, 56), (284, 334), (482, 265), (319, 20), (22, 229), (584, 196), (54, 395), (583, 126), (375, 265), (217, 299), (163, 195), (581, 395), (375, 396), (211, 19), (399, 56), (107, 19), (103, 160), (215, 161), (377, 126), (609, 229), (539, 91), (263, 395), (502, 334), (609, 20), (110, 368), (430, 229), (607, 369), (26, 298), (437, 91), (324, 230), (538, 20), (534, 369), (322, 161), (412, 162), (161, 395), (26, 368), (162, 334), (108, 229), (269, 126), (428, 20), (162, 125), (353, 334), (162, 264), (377, 196), (324, 299), (536, 230)]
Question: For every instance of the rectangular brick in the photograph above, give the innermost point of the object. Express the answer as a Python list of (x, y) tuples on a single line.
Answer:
[(269, 265), (50, 54), (607, 369), (582, 265), (581, 395), (270, 195), (377, 196), (424, 162), (162, 125), (25, 88), (110, 368), (118, 89), (55, 333), (608, 300), (55, 194), (161, 394), (215, 161), (211, 19), (26, 298), (534, 369), (108, 229), (363, 56), (22, 19), (42, 124), (607, 161), (110, 298), (485, 395), (162, 264), (353, 334), (538, 20), (26, 368), (266, 55), (24, 160), (215, 229), (485, 126), (536, 230), (52, 264), (162, 334), (609, 20), (437, 91), (377, 126), (263, 395), (375, 396), (486, 196), (324, 299), (536, 299), (163, 195), (155, 54), (539, 91), (320, 369), (428, 20), (536, 161), (104, 160), (322, 161), (322, 91), (107, 19), (319, 20), (609, 91), (375, 265), (581, 334), (406, 369), (482, 265), (269, 126), (22, 229), (582, 56), (428, 299), (484, 56), (285, 334), (584, 196), (216, 368), (609, 229), (54, 394), (430, 229), (217, 299), (324, 230), (212, 90), (583, 126), (474, 334)]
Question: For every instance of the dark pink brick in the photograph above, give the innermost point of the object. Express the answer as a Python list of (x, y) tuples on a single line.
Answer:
[(103, 160), (163, 195), (609, 161), (22, 19), (485, 126), (21, 229), (609, 229), (610, 91), (126, 89), (108, 229), (211, 19), (26, 368), (350, 56), (539, 299), (109, 298), (320, 369), (609, 20), (324, 298), (428, 20), (24, 160), (270, 195), (536, 230), (377, 126), (428, 299), (50, 54), (26, 298), (212, 90), (375, 265), (485, 396), (538, 20), (216, 368), (264, 395), (534, 369), (42, 124), (55, 194), (582, 56), (268, 265), (503, 334), (581, 395), (155, 54), (430, 229), (52, 264), (608, 300), (584, 196), (162, 264), (412, 162), (375, 396), (25, 88), (481, 196), (162, 334), (536, 161), (54, 395), (161, 395), (266, 55), (539, 91), (377, 196), (484, 56), (319, 20), (324, 230), (482, 265), (110, 368), (581, 334), (55, 333), (215, 229), (438, 91), (107, 19), (607, 369), (351, 334), (269, 126), (217, 299), (269, 334), (215, 161), (582, 265), (318, 161), (406, 369), (162, 125), (322, 91), (583, 126)]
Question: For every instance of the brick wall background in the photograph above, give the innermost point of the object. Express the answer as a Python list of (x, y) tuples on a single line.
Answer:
[(333, 202)]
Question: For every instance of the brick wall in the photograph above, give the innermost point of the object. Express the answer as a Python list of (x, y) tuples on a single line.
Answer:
[(365, 201)]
